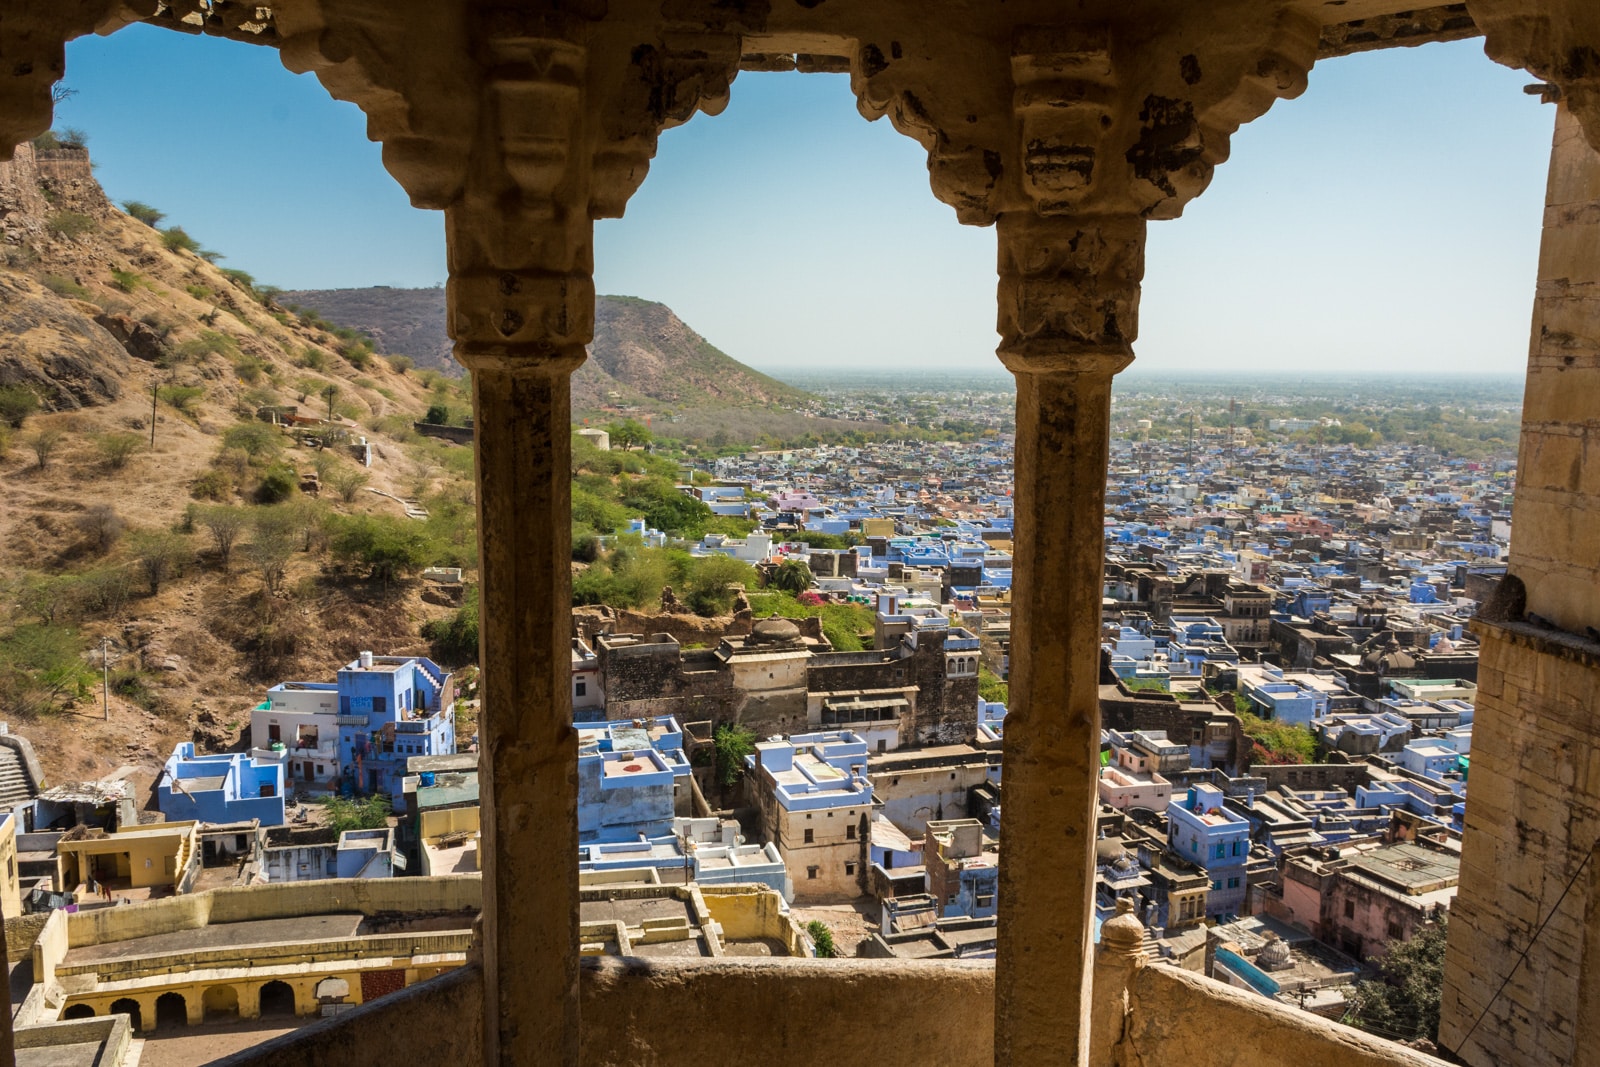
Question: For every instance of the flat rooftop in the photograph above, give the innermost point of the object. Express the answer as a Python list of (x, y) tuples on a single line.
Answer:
[(223, 935)]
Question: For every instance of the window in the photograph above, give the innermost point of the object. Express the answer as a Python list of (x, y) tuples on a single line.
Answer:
[(849, 868), (850, 832), (1238, 848), (1349, 909), (580, 688), (811, 835), (985, 900), (830, 814), (1233, 883), (811, 872), (1395, 933), (1217, 885)]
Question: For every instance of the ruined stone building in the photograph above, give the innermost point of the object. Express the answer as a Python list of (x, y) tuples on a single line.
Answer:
[(1071, 128), (921, 689)]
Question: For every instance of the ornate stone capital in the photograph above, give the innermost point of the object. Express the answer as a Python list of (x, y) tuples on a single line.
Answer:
[(1069, 292), (1127, 114)]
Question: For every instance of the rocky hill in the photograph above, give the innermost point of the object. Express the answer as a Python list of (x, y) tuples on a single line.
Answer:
[(643, 355), (153, 507)]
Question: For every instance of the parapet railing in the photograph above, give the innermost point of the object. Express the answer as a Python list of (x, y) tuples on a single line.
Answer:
[(776, 1009)]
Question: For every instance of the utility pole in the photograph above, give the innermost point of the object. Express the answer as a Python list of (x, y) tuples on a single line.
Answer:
[(105, 675)]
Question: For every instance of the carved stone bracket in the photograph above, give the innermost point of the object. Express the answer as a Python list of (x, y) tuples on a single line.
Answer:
[(1558, 40), (1124, 116), (421, 103)]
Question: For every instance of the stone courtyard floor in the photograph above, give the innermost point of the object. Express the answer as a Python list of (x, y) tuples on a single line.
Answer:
[(851, 923)]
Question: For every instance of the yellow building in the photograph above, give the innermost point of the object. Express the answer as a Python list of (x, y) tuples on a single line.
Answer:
[(140, 857), (10, 887)]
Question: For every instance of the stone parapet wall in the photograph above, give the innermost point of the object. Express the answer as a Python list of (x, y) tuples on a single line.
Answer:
[(1177, 1017), (368, 896)]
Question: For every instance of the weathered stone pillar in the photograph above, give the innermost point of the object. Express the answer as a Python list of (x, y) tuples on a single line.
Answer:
[(1068, 302), (521, 306), (1520, 981)]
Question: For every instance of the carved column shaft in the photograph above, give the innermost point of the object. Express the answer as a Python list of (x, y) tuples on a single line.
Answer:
[(521, 303), (1068, 299)]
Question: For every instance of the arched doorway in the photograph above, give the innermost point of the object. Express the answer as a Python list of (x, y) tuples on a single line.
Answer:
[(171, 1010), (277, 998), (78, 1011), (129, 1007), (220, 1001)]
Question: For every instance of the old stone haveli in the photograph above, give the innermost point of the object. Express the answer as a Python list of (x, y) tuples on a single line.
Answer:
[(783, 677), (1068, 127)]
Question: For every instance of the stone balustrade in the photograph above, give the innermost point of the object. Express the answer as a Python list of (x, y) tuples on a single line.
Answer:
[(785, 1012)]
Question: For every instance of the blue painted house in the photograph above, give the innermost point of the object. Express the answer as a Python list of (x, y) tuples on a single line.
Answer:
[(1203, 831), (222, 788), (633, 777), (390, 709)]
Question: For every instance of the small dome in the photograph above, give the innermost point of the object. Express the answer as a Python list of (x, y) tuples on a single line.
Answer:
[(1274, 955), (775, 631), (1107, 849)]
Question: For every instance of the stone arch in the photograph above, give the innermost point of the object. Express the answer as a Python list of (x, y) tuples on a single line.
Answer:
[(78, 1011), (129, 1007), (220, 1000), (172, 1010), (277, 998)]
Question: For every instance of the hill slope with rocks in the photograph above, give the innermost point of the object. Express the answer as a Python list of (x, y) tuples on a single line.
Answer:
[(643, 355), (181, 460)]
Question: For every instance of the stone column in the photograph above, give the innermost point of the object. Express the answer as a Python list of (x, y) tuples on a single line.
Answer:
[(1068, 300), (521, 306)]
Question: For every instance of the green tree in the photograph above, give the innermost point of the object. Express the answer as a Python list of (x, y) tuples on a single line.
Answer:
[(118, 448), (160, 554), (732, 743), (710, 589), (225, 525), (438, 415), (277, 484), (256, 439), (792, 576), (177, 240), (45, 443), (42, 668), (822, 938), (347, 482), (16, 404), (991, 688), (1405, 1002), (455, 639), (144, 212), (388, 547), (626, 433), (358, 813), (271, 546), (180, 397)]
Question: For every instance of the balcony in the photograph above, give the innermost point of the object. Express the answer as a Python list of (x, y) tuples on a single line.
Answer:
[(772, 1009)]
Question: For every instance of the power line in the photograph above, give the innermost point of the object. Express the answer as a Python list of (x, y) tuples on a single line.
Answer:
[(1531, 942)]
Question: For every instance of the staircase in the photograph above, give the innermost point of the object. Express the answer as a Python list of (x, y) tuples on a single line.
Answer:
[(14, 785)]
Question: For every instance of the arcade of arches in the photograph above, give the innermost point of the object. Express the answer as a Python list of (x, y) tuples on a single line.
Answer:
[(1068, 126)]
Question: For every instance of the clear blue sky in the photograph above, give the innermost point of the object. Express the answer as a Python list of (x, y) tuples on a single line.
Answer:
[(1388, 220)]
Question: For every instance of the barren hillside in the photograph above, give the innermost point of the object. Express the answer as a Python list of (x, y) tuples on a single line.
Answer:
[(150, 500)]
